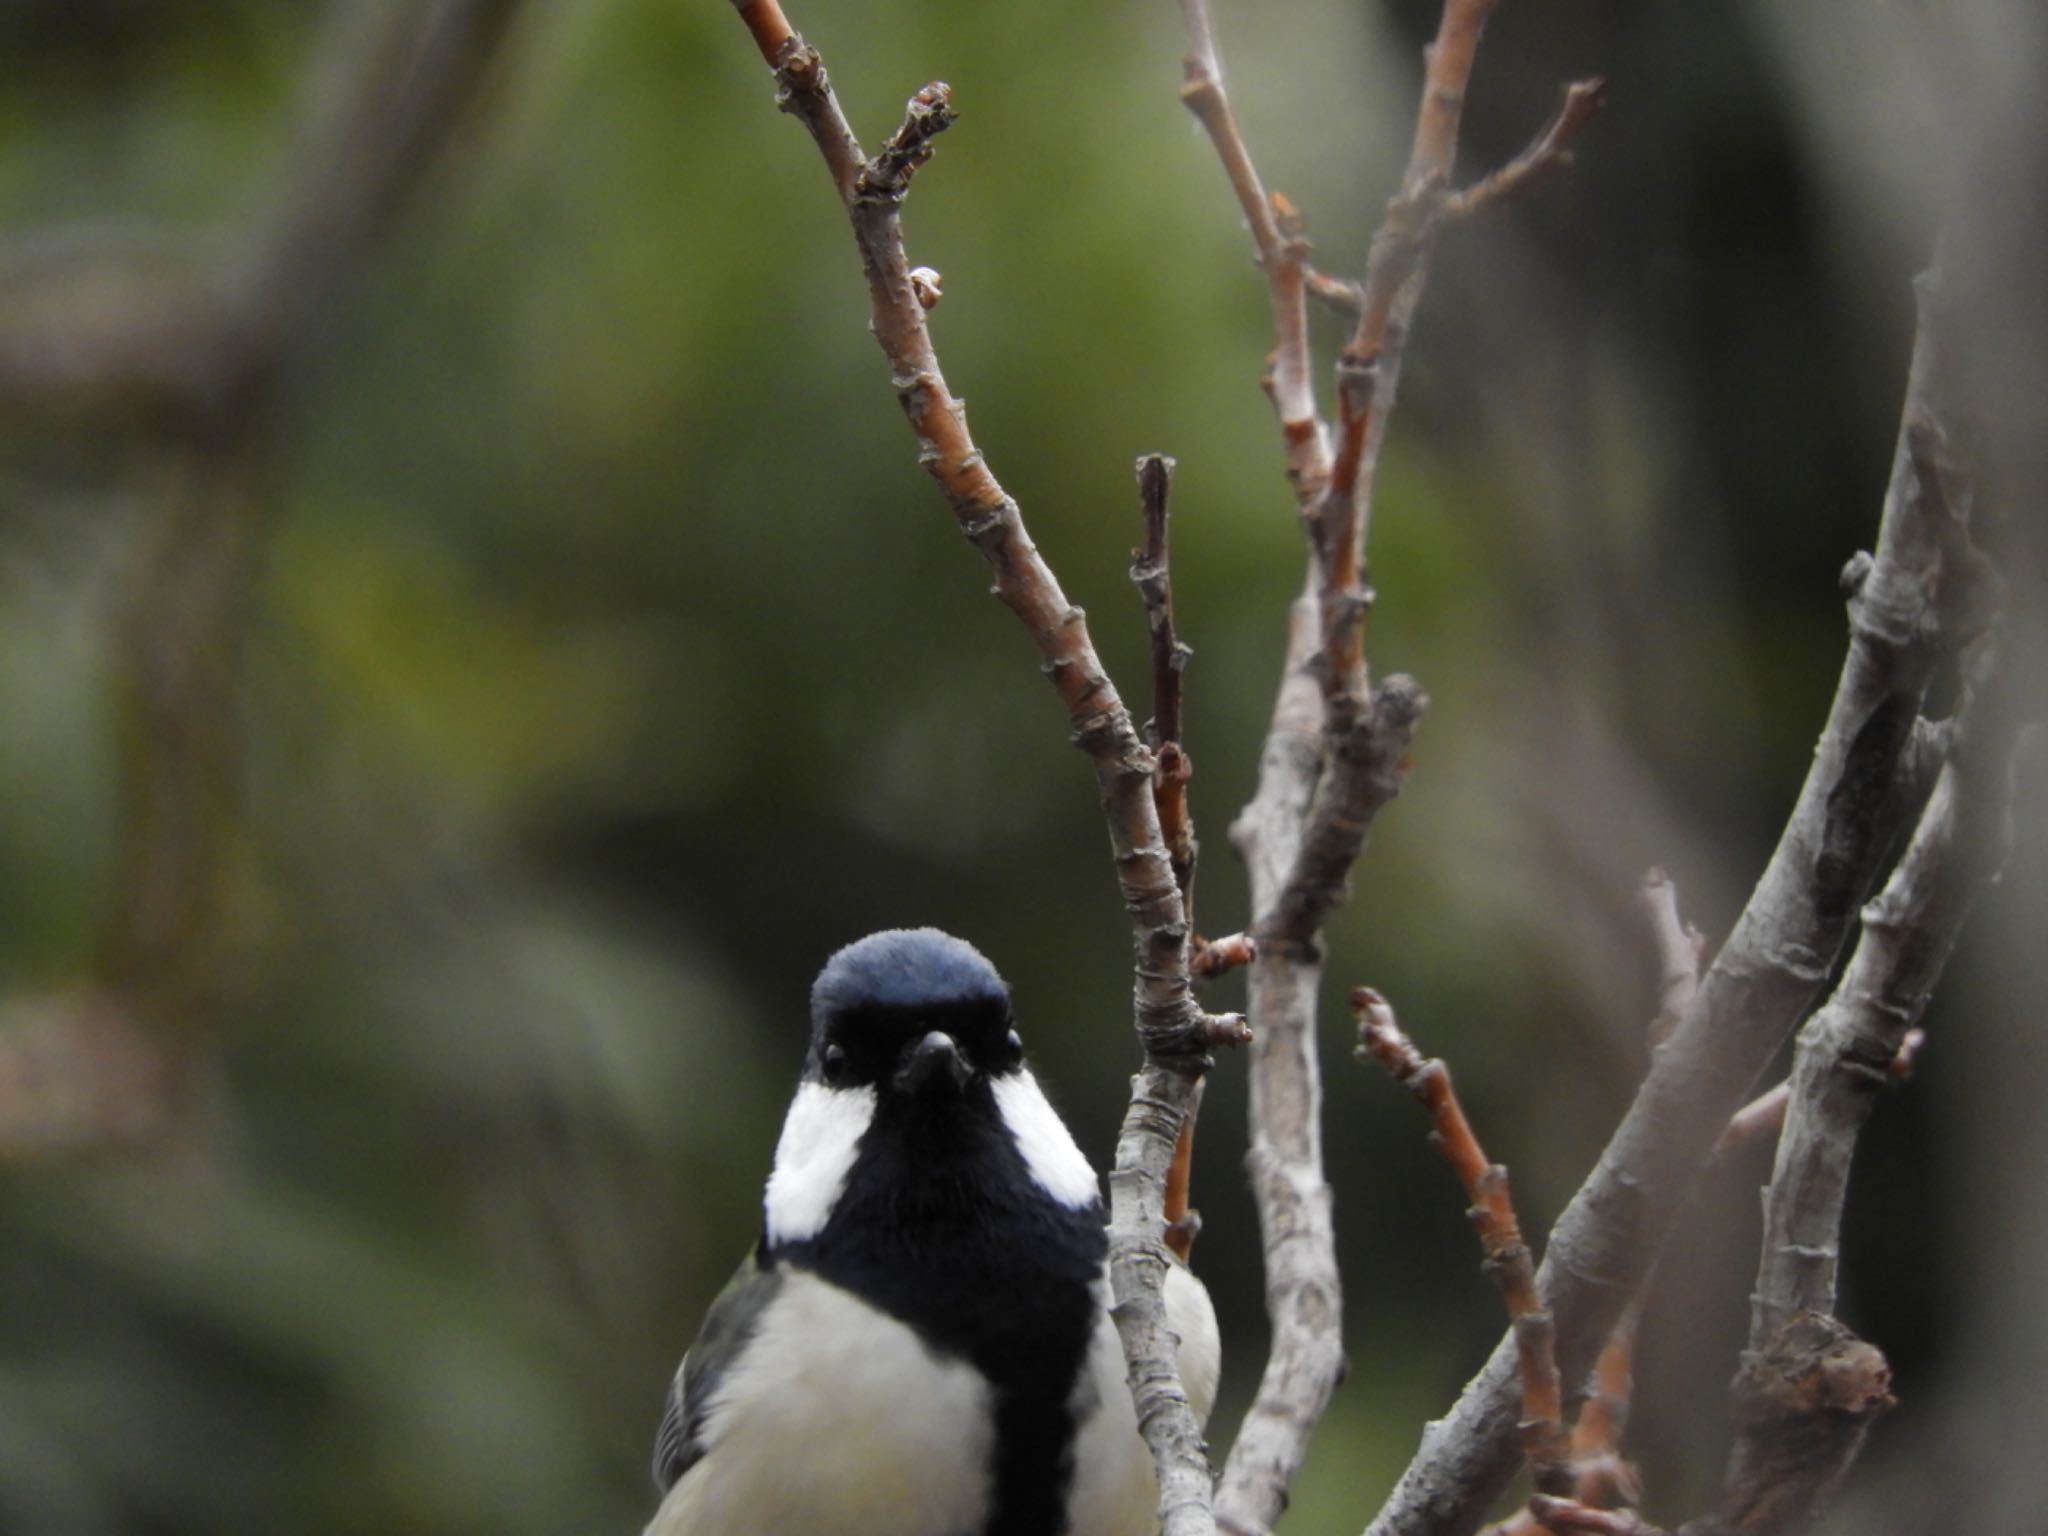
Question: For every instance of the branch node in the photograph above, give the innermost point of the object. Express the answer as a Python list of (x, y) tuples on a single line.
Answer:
[(886, 178)]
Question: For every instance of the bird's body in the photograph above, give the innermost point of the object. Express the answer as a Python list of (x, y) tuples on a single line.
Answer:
[(921, 1344)]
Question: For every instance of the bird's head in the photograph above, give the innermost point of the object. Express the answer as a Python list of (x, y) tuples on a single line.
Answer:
[(913, 1037), (910, 1011)]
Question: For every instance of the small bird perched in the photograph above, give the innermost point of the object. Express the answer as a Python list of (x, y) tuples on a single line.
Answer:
[(920, 1344)]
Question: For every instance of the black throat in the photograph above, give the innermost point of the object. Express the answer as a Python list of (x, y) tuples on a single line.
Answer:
[(941, 1227)]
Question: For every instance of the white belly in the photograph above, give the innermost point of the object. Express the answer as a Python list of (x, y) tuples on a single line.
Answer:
[(1115, 1492), (898, 1443)]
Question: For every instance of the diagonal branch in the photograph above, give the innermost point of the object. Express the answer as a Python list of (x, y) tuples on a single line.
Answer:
[(1507, 1257), (1551, 151), (1175, 1035), (1766, 975)]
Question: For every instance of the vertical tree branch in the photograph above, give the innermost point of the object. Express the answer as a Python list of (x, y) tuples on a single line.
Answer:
[(1151, 573)]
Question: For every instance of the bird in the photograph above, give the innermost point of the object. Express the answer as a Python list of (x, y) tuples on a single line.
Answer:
[(920, 1342)]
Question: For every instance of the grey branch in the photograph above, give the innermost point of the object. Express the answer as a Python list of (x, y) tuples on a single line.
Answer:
[(1765, 977), (1304, 1293), (1787, 1460)]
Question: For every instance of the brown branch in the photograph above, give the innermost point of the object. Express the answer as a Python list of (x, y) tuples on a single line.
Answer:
[(1600, 1475), (1550, 151), (1183, 1221), (1508, 1261), (1174, 1032), (1758, 987), (1151, 573), (1369, 371)]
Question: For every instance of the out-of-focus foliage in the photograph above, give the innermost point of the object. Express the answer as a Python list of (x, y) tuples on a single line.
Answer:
[(612, 661)]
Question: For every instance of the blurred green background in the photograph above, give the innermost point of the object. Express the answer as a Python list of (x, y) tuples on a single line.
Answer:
[(608, 661)]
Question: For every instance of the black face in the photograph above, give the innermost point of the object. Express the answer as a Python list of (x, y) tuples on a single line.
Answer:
[(877, 1004)]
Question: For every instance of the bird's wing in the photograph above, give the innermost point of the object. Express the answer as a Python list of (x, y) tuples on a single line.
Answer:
[(727, 1327)]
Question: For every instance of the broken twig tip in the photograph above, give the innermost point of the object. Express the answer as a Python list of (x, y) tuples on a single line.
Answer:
[(1227, 1029), (1217, 957)]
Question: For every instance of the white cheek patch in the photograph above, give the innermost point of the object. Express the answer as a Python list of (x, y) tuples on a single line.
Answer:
[(1056, 1164), (820, 1139)]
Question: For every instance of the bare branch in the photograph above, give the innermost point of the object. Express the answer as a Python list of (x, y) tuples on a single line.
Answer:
[(1508, 1261), (1367, 767), (1552, 150), (1183, 1221), (1761, 982), (1151, 573), (1285, 1160), (1276, 233), (1850, 1050), (1369, 371), (1175, 1034)]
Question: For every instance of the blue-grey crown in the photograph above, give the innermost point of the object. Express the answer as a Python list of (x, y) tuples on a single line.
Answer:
[(905, 968)]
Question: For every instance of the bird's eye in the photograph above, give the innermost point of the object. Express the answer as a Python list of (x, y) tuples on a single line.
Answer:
[(1013, 1048), (832, 1065)]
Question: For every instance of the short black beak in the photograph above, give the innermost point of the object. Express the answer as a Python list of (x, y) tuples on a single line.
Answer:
[(933, 1065)]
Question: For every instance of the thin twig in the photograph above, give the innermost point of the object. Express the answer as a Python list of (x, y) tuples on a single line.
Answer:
[(1277, 236), (1759, 985), (1369, 371), (1152, 574), (1175, 1034), (1507, 1261), (1551, 151), (1183, 1221)]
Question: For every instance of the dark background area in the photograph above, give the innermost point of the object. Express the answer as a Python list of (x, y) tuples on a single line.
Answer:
[(612, 661)]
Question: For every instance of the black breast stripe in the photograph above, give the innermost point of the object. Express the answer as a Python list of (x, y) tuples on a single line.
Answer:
[(941, 1226)]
